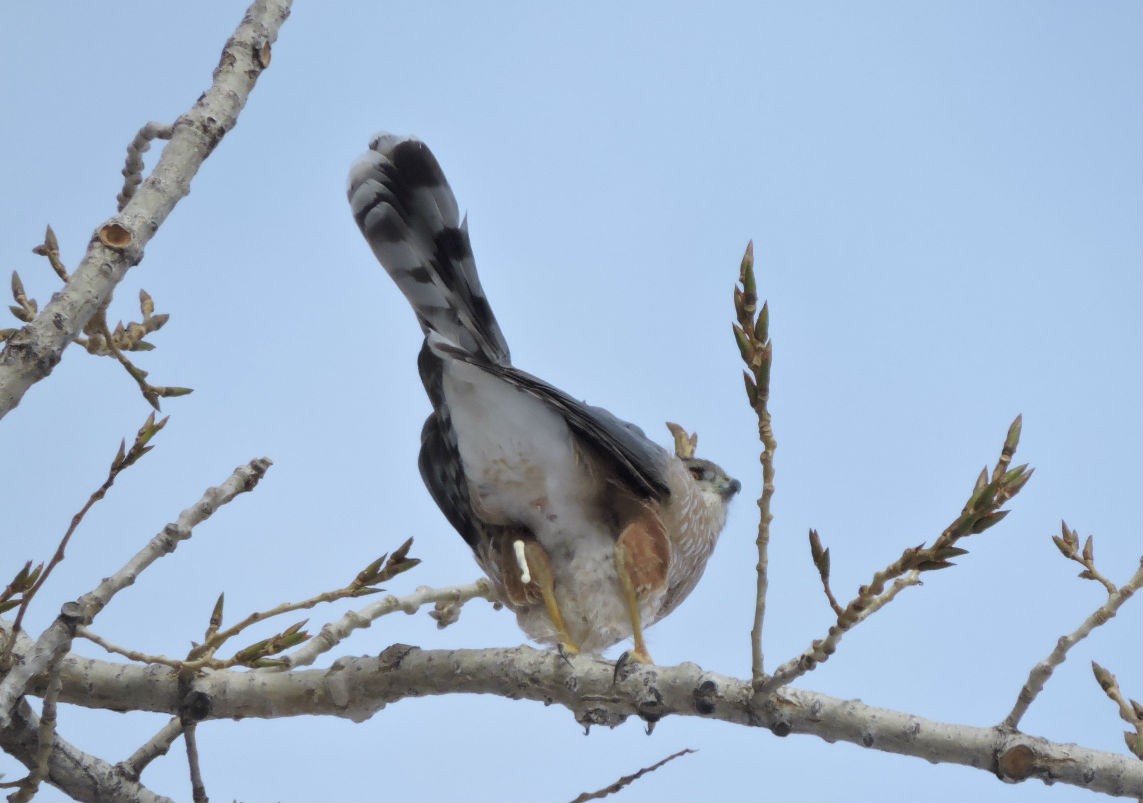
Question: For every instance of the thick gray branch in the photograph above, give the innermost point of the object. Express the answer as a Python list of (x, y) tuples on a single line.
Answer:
[(32, 353), (80, 775), (357, 688)]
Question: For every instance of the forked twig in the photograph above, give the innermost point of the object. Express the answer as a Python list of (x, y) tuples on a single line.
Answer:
[(980, 512), (124, 459), (1043, 670), (335, 632), (54, 642)]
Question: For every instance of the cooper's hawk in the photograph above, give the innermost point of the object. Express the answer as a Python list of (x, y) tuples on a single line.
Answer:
[(588, 530)]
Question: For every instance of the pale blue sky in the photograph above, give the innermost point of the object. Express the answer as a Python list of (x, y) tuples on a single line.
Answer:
[(945, 200)]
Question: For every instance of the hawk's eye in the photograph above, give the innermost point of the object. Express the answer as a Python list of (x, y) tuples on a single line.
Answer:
[(698, 472)]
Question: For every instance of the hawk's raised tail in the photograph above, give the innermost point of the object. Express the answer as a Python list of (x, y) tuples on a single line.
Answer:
[(407, 212)]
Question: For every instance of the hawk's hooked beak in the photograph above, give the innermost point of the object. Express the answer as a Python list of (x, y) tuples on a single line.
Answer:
[(730, 488)]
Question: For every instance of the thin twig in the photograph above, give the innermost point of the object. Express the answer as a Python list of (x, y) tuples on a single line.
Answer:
[(56, 639), (110, 344), (821, 562), (1130, 711), (46, 737), (124, 459), (157, 745), (887, 596), (100, 340), (190, 739), (136, 655), (1068, 544), (258, 655), (627, 780), (980, 512), (335, 632), (364, 583), (50, 248), (133, 169), (752, 333), (1043, 670)]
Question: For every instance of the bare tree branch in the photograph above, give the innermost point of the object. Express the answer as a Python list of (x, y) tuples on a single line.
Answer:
[(357, 688), (157, 745), (80, 775), (335, 632), (124, 459), (981, 512), (30, 354), (1043, 670), (56, 640)]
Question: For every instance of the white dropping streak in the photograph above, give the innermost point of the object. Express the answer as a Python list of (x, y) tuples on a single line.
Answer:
[(521, 561)]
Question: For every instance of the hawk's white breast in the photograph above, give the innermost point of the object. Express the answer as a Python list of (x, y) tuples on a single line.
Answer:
[(523, 468), (518, 453)]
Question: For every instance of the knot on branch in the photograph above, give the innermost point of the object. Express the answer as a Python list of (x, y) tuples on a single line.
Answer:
[(1017, 763), (195, 706), (706, 697)]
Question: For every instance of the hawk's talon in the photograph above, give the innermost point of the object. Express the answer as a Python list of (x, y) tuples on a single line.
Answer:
[(627, 660), (619, 666), (640, 657), (566, 651)]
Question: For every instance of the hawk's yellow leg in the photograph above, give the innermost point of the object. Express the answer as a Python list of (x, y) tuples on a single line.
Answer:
[(631, 600), (540, 568), (642, 557)]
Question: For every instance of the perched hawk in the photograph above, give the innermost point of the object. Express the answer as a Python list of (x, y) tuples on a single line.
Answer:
[(588, 530)]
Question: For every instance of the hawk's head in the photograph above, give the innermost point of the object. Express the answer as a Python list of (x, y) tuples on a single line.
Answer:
[(717, 488)]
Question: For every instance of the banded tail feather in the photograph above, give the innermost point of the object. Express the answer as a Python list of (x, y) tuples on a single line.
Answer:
[(404, 206)]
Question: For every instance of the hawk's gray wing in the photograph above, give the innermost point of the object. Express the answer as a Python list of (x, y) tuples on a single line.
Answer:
[(640, 462), (439, 461)]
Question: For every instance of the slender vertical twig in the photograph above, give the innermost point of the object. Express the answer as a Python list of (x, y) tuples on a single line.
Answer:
[(753, 337)]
